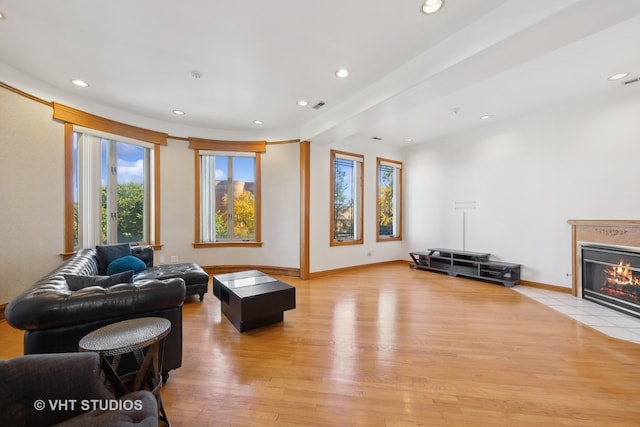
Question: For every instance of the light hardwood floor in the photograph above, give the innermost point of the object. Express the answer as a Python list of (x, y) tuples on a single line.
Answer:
[(391, 346)]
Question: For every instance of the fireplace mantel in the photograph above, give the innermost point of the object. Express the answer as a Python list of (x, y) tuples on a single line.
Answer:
[(608, 232)]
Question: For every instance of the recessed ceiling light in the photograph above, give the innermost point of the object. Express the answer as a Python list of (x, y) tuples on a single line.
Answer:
[(303, 103), (618, 76), (178, 112), (258, 122), (408, 140), (342, 73), (431, 6), (485, 117), (80, 83), (2, 15)]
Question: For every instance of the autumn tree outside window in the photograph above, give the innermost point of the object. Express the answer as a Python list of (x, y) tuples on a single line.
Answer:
[(389, 200), (228, 197), (227, 192)]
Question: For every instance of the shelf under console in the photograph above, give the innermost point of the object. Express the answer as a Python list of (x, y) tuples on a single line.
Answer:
[(475, 265)]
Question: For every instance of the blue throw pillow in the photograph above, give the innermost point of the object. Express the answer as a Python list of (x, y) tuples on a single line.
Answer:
[(106, 254), (75, 282), (126, 263)]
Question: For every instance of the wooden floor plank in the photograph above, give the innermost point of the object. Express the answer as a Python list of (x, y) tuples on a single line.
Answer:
[(390, 346)]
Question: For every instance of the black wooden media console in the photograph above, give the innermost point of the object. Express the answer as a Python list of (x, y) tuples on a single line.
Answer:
[(474, 265)]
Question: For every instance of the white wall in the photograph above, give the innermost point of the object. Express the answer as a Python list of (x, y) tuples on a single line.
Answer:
[(528, 176), (280, 210), (32, 191), (324, 257)]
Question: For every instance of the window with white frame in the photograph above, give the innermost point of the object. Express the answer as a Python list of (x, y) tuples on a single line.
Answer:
[(347, 198), (112, 189), (389, 200), (228, 197)]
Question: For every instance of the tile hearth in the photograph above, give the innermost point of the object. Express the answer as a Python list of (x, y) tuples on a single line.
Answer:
[(603, 319)]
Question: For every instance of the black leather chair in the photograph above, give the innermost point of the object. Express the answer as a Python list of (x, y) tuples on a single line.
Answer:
[(68, 389)]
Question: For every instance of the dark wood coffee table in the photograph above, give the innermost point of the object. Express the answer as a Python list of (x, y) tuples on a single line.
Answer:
[(250, 299)]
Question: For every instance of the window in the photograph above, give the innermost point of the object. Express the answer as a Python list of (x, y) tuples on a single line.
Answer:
[(227, 192), (347, 198), (111, 189), (131, 156), (228, 197), (389, 200)]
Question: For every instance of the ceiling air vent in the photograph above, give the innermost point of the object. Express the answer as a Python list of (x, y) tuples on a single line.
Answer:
[(628, 82), (377, 138), (319, 105)]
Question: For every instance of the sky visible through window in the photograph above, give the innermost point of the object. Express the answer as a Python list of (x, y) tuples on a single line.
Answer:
[(344, 176), (131, 165), (243, 168)]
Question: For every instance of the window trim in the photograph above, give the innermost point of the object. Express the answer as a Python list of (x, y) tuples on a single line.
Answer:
[(360, 215), (80, 118), (72, 117), (257, 147)]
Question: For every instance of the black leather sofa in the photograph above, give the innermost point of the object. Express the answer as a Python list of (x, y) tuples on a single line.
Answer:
[(196, 281), (55, 318)]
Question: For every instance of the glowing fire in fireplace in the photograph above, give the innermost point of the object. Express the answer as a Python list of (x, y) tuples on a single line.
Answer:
[(621, 275), (616, 284)]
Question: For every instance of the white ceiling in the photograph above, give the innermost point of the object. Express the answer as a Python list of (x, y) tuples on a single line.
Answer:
[(409, 71)]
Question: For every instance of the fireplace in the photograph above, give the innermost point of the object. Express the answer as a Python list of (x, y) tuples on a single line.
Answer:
[(611, 277), (623, 234)]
